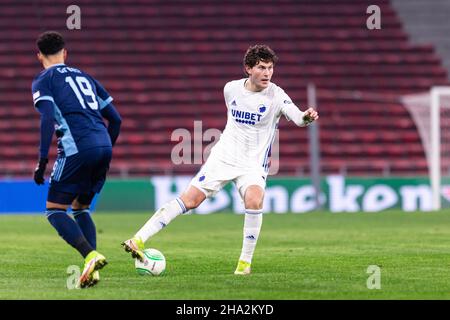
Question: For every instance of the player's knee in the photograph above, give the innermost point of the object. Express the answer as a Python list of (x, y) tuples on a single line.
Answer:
[(191, 203), (254, 203), (192, 198), (254, 197)]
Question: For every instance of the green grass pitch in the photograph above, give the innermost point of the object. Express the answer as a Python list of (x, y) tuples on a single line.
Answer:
[(299, 256)]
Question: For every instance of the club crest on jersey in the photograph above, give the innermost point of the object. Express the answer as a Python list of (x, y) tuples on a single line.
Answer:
[(262, 108)]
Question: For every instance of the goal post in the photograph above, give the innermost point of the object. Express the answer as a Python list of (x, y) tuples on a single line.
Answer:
[(435, 165)]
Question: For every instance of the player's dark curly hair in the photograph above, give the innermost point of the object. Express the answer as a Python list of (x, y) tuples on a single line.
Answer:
[(257, 53), (50, 42)]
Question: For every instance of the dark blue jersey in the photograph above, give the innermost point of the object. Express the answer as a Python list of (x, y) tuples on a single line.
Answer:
[(77, 99)]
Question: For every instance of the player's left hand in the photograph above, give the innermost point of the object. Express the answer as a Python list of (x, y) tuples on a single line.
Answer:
[(39, 171), (310, 115)]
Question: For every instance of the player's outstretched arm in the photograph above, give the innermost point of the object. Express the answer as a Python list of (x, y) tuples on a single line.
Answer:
[(111, 114), (301, 119), (46, 109)]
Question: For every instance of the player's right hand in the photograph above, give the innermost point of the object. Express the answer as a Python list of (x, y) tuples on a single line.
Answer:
[(40, 170), (310, 115)]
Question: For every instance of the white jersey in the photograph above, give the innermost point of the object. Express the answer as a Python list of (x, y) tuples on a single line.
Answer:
[(252, 124)]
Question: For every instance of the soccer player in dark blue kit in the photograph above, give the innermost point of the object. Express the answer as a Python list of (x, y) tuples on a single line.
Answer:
[(72, 105)]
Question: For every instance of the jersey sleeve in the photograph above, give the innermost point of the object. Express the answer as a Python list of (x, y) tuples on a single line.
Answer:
[(288, 108), (47, 111), (40, 89), (114, 121), (102, 95), (227, 93)]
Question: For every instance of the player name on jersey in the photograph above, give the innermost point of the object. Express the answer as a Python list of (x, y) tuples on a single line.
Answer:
[(67, 69)]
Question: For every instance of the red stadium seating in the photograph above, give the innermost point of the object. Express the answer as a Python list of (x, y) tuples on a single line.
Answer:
[(166, 62)]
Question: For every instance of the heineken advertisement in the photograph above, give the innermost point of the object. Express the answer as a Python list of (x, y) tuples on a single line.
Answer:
[(283, 195)]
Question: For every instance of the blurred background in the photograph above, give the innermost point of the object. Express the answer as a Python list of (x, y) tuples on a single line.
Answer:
[(165, 64)]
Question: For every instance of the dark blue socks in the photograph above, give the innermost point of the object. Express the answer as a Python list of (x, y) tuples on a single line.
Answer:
[(69, 230), (87, 226)]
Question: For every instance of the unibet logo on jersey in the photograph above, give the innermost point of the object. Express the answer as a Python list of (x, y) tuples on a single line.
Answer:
[(247, 117)]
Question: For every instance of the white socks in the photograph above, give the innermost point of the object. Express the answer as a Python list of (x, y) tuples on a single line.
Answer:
[(252, 227), (168, 212), (161, 218)]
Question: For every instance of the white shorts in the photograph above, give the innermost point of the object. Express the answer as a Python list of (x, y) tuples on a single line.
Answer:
[(215, 174)]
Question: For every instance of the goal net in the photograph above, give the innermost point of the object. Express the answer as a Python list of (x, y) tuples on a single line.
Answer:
[(431, 113)]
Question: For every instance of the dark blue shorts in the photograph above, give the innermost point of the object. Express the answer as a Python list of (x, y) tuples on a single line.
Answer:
[(81, 175)]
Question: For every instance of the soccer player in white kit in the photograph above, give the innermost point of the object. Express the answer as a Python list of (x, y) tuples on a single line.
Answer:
[(255, 106)]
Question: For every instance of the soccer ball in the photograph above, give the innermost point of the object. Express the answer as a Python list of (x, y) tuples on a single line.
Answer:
[(154, 263)]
